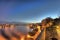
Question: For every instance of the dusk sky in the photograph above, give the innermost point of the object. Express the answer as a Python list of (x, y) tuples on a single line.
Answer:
[(29, 11)]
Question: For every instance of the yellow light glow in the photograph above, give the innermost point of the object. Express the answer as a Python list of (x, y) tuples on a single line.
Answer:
[(39, 30), (57, 26), (28, 36), (22, 38)]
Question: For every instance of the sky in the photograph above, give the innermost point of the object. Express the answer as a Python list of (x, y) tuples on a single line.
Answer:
[(29, 11)]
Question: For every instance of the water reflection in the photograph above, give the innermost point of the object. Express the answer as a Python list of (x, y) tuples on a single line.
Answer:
[(23, 29)]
